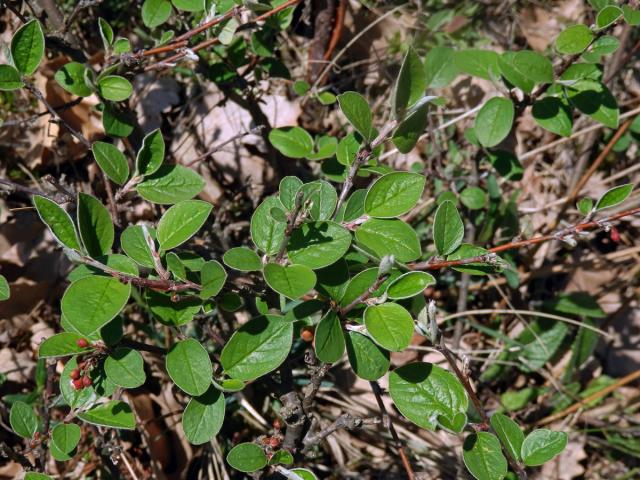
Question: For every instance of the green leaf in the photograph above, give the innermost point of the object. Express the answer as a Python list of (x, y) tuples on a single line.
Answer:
[(65, 436), (125, 368), (121, 45), (540, 348), (155, 12), (389, 237), (474, 198), (354, 208), (243, 259), (321, 197), (36, 476), (247, 457), (614, 196), (409, 285), (289, 187), (151, 154), (389, 325), (301, 87), (410, 85), (74, 398), (478, 63), (94, 223), (257, 348), (576, 303), (304, 473), (22, 419), (283, 457), (631, 16), (292, 281), (584, 206), (169, 312), (71, 77), (117, 121), (483, 456), (27, 47), (368, 360), (356, 109), (182, 221), (112, 161), (601, 46), (135, 245), (440, 67), (423, 392), (329, 338), (509, 433), (574, 39), (9, 78), (318, 244), (294, 142), (608, 16), (525, 69), (170, 184), (347, 149), (115, 414), (61, 345), (5, 292), (448, 229), (58, 221), (106, 32), (114, 88), (594, 99), (203, 417), (91, 302), (267, 233), (494, 120), (542, 445), (189, 5), (212, 278), (332, 280), (553, 114), (189, 366), (406, 136), (363, 281)]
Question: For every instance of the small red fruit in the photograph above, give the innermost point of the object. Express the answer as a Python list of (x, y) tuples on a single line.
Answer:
[(75, 374), (86, 381), (82, 343), (274, 442), (77, 384), (276, 424), (615, 234), (306, 334)]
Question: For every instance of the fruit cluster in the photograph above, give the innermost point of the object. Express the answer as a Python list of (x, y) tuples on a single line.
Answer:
[(80, 376)]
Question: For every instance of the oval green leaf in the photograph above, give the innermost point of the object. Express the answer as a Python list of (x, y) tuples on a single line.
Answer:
[(170, 184), (247, 457), (27, 47), (294, 142), (189, 366), (112, 161), (243, 259), (181, 222), (483, 456), (115, 414), (394, 194), (125, 368), (203, 417), (71, 77), (114, 88), (368, 360), (448, 229), (409, 285), (61, 345), (390, 326), (22, 419), (58, 221), (389, 237), (318, 244), (494, 120), (292, 281), (542, 445), (95, 225), (509, 433), (329, 338)]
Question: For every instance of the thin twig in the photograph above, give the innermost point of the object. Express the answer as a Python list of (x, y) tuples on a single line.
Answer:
[(364, 296), (291, 224), (220, 146)]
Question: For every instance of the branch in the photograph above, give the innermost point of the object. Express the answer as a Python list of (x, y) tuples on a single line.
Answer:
[(291, 224), (346, 420), (364, 296)]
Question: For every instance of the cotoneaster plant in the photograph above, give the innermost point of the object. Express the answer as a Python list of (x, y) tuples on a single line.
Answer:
[(329, 268)]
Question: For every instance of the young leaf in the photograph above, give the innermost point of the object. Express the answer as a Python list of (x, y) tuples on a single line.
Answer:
[(608, 16), (125, 368), (257, 348), (58, 221), (112, 161), (389, 237), (170, 184), (71, 77), (247, 457), (584, 206), (356, 109), (483, 457), (410, 85), (135, 245), (114, 88), (553, 114), (266, 232), (27, 47), (106, 32), (5, 292), (9, 78), (292, 281), (574, 39), (115, 414), (92, 302), (94, 223), (423, 392), (448, 229), (283, 457), (155, 12), (203, 417), (368, 360), (322, 197), (409, 284), (65, 436), (22, 419), (614, 196), (394, 194), (151, 154), (389, 325), (61, 345), (212, 278), (180, 222), (294, 142), (542, 445), (318, 244), (494, 120), (242, 259), (509, 433), (329, 338), (289, 187), (189, 366)]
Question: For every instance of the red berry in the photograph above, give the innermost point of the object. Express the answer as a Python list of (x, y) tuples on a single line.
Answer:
[(274, 442), (82, 343), (307, 334), (86, 381), (615, 235), (276, 424), (75, 374), (77, 384)]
